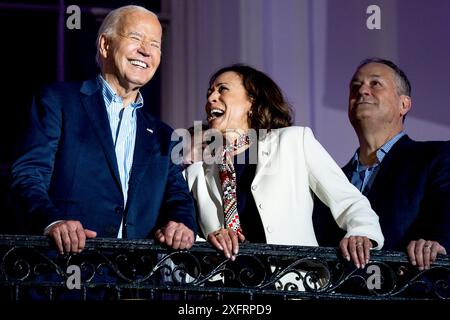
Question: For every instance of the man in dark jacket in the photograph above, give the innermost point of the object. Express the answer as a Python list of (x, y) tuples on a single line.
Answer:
[(93, 162), (407, 182)]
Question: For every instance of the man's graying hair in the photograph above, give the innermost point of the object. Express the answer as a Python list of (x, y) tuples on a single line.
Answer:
[(109, 24), (403, 84)]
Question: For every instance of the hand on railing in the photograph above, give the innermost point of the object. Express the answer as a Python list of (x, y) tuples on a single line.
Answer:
[(226, 240), (358, 248), (422, 253), (175, 235), (69, 236)]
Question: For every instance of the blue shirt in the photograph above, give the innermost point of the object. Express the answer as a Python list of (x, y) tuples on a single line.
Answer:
[(363, 176), (122, 122)]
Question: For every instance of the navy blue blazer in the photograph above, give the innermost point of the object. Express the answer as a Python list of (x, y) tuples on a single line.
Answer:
[(67, 169), (410, 194)]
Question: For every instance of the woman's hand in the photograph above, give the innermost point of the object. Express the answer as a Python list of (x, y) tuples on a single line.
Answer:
[(358, 248), (226, 240)]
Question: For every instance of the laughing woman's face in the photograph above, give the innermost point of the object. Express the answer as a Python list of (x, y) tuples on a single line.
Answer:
[(228, 103)]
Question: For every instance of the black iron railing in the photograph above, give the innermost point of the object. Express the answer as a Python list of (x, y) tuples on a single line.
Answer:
[(115, 269)]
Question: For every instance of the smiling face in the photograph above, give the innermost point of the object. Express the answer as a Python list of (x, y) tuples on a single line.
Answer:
[(131, 56), (228, 103), (374, 99)]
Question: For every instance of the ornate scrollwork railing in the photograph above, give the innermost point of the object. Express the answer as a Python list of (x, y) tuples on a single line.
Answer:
[(123, 269)]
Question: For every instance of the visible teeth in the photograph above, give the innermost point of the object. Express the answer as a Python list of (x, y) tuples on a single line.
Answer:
[(216, 113), (138, 63)]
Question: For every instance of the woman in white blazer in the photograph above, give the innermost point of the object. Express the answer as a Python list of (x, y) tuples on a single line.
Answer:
[(275, 192)]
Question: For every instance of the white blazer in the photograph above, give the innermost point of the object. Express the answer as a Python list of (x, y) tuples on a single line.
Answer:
[(291, 165)]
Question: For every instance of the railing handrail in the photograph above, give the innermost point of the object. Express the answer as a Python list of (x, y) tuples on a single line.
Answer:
[(312, 272), (201, 246)]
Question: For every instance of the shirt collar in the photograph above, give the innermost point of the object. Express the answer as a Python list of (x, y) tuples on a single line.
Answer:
[(109, 94), (380, 154)]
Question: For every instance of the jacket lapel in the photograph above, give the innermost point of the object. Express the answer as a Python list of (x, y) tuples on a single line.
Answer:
[(145, 147), (382, 179), (267, 150), (266, 145), (94, 106), (213, 181), (348, 170)]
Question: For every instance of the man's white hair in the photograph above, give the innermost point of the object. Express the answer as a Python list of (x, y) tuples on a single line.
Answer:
[(111, 21)]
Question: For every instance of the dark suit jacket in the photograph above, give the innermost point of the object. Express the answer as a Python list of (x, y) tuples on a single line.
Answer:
[(67, 169), (410, 194)]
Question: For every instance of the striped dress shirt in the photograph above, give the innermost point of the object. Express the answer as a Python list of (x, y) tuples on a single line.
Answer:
[(122, 121)]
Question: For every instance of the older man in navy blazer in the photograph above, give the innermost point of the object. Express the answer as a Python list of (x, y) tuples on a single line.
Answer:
[(407, 182), (93, 162)]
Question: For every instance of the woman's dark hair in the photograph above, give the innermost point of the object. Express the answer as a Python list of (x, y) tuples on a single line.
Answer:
[(269, 108)]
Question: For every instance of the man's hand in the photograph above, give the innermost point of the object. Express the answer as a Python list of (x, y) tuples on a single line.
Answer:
[(358, 248), (226, 240), (69, 236), (175, 235), (422, 252)]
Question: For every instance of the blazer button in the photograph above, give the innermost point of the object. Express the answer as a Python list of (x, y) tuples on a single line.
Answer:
[(254, 187), (260, 206), (269, 229), (119, 209)]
